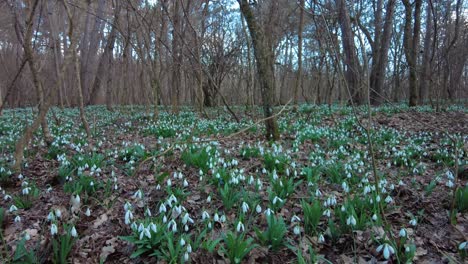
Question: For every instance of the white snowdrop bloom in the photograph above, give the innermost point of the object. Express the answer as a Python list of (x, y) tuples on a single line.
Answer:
[(50, 216), (53, 229), (26, 190), (158, 187), (216, 217), (186, 256), (91, 184), (153, 227), (351, 221), (172, 225), (318, 193), (402, 232), (7, 197), (208, 199), (222, 218), (277, 199), (164, 219), (297, 230), (343, 209), (387, 250), (169, 183), (258, 208), (162, 208), (345, 187), (450, 184), (377, 198), (138, 194), (245, 207), (327, 213), (189, 248), (295, 218), (413, 222), (20, 176), (401, 183), (73, 232), (275, 175), (463, 245), (205, 215), (128, 217), (180, 175), (321, 239), (367, 189), (27, 236), (58, 213), (264, 171), (388, 199), (148, 212), (186, 183), (182, 242), (147, 233), (88, 212), (13, 208), (268, 212), (17, 219), (374, 217), (240, 227)]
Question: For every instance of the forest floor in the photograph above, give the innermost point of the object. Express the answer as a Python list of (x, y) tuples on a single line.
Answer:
[(188, 189)]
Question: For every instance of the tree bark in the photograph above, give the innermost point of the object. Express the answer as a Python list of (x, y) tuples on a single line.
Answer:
[(298, 82), (351, 61), (265, 60)]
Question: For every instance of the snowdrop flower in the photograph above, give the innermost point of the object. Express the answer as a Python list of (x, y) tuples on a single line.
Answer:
[(7, 197), (377, 198), (27, 236), (189, 248), (318, 193), (258, 208), (222, 219), (185, 183), (388, 199), (295, 218), (297, 230), (374, 217), (413, 222), (205, 215), (26, 190), (240, 227), (268, 212), (351, 221), (387, 250), (158, 187), (153, 227), (53, 229), (450, 184), (73, 232), (172, 225), (321, 239), (345, 187), (17, 219), (148, 212), (88, 212), (402, 232), (186, 256), (128, 217), (216, 217), (13, 208), (245, 207), (182, 242), (327, 213), (169, 182), (162, 208), (138, 194), (50, 216), (58, 213), (277, 199), (463, 245)]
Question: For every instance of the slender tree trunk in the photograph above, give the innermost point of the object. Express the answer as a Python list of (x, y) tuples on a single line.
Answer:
[(426, 60), (351, 61), (177, 59), (411, 46), (265, 59), (298, 82), (76, 63)]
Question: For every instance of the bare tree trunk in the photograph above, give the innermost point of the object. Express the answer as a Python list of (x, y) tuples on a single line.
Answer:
[(76, 62), (352, 73), (380, 55), (264, 57), (411, 46), (177, 59), (298, 82), (426, 61), (43, 105)]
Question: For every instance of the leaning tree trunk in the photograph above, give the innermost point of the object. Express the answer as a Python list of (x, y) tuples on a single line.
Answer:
[(298, 81), (265, 59), (43, 105)]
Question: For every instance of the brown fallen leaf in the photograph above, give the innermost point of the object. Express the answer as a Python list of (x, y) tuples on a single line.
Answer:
[(99, 221)]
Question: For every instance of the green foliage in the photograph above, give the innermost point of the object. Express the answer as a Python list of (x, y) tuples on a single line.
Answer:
[(229, 196), (23, 255), (26, 201), (62, 245), (461, 199), (276, 163), (312, 214), (285, 187), (197, 157), (249, 153), (274, 235), (236, 247)]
